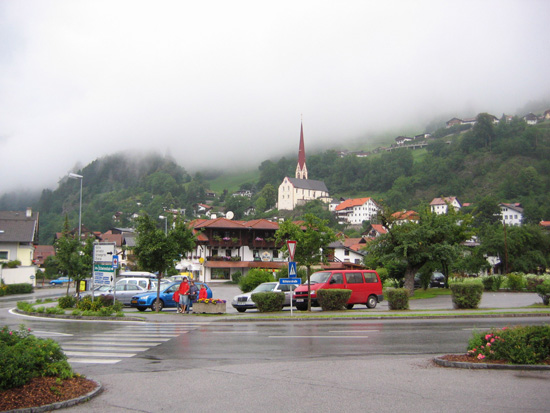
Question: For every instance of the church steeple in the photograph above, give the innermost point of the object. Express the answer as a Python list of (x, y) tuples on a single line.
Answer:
[(301, 169)]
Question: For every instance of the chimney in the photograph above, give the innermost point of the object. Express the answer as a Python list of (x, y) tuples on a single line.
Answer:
[(28, 214)]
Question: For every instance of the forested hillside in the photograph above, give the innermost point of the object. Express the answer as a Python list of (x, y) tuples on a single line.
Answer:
[(504, 162)]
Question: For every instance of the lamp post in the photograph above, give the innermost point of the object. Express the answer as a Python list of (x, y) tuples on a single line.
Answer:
[(165, 224), (76, 176)]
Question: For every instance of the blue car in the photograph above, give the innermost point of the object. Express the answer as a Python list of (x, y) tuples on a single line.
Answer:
[(144, 301), (60, 281)]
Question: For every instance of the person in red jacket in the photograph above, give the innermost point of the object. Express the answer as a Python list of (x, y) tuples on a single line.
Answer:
[(203, 293), (184, 295)]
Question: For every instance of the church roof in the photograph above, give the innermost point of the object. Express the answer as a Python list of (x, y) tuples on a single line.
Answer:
[(308, 184), (302, 149)]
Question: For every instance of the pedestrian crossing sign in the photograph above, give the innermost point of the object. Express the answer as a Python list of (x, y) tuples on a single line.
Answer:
[(292, 273)]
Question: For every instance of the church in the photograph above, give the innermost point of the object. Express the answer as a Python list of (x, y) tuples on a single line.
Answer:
[(299, 190)]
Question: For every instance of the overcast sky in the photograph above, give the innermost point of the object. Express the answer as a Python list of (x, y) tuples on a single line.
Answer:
[(225, 83)]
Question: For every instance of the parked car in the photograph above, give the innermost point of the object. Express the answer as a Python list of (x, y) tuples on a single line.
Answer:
[(365, 287), (147, 300), (124, 292), (437, 280), (243, 302), (61, 281), (147, 283)]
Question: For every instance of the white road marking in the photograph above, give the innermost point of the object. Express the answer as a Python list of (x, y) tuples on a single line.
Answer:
[(97, 354), (103, 348), (92, 342), (354, 331), (317, 336), (93, 361)]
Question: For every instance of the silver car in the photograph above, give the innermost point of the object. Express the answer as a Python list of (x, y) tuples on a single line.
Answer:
[(124, 292), (243, 302)]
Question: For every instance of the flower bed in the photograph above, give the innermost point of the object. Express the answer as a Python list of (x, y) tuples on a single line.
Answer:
[(209, 306)]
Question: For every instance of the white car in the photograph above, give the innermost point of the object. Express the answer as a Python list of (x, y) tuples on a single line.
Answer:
[(243, 302), (124, 292)]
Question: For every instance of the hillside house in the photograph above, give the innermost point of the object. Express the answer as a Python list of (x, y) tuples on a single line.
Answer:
[(401, 217), (531, 119), (355, 211), (348, 250), (401, 140), (511, 214), (441, 205), (374, 231), (18, 234)]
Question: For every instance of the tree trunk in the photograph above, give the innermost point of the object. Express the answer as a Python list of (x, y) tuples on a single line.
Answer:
[(409, 280)]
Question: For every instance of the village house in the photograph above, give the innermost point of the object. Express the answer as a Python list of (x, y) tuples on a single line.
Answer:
[(441, 205), (355, 211), (18, 235), (511, 214)]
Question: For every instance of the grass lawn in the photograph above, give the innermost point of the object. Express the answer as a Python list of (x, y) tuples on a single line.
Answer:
[(429, 293)]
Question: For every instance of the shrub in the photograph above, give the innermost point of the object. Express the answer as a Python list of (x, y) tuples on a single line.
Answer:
[(13, 264), (236, 277), (398, 298), (22, 288), (543, 290), (269, 301), (25, 356), (492, 282), (532, 281), (515, 281), (333, 299), (54, 310), (24, 306), (67, 301), (254, 278), (466, 294), (85, 303), (517, 345)]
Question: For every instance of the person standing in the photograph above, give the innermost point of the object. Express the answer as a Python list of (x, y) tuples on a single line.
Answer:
[(193, 292), (184, 295)]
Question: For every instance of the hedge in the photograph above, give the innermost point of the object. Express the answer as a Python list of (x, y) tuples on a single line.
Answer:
[(333, 299)]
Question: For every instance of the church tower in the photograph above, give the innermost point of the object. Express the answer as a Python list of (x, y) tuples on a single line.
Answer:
[(301, 169)]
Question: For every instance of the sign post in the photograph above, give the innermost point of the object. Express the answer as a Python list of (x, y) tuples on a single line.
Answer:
[(292, 271), (105, 262)]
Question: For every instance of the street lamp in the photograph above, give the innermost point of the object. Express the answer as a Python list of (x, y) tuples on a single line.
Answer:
[(76, 176), (165, 224)]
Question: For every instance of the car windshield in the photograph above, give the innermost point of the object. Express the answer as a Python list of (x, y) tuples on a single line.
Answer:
[(319, 277), (264, 287)]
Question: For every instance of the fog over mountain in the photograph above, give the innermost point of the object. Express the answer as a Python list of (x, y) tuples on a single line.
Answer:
[(225, 84)]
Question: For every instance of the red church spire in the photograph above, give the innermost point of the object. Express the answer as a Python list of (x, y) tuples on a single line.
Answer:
[(301, 170)]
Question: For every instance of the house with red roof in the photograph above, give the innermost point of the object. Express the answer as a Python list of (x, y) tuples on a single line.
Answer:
[(356, 210), (441, 205)]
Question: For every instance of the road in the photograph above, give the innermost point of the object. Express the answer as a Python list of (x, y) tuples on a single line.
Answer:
[(274, 366)]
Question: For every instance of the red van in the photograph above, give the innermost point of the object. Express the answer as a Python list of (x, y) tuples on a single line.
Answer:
[(365, 286)]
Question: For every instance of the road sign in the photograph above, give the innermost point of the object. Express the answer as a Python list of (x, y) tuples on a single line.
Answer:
[(115, 261), (291, 249), (104, 252), (103, 274), (290, 281), (292, 273)]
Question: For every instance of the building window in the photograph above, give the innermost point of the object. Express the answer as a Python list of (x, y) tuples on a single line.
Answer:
[(220, 274), (3, 255)]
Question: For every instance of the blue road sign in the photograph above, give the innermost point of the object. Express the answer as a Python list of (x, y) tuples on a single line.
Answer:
[(115, 261), (292, 273), (290, 280)]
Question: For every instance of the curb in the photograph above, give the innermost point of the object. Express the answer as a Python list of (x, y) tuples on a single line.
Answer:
[(488, 366), (76, 317), (66, 403)]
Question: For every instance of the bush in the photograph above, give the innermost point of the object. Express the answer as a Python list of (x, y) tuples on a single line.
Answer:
[(25, 356), (67, 301), (22, 288), (515, 281), (236, 277), (24, 306), (254, 278), (398, 298), (333, 299), (269, 301), (543, 290), (517, 345), (532, 281), (492, 282), (466, 294)]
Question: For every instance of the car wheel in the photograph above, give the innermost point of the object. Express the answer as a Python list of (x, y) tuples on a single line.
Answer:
[(301, 307), (349, 306), (241, 310), (160, 305), (141, 308), (372, 301)]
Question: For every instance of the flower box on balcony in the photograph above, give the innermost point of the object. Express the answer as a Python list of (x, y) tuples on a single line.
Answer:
[(210, 306)]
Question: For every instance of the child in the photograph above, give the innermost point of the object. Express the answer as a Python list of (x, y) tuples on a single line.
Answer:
[(203, 293)]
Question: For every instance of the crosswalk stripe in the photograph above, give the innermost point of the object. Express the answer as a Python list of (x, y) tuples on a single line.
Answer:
[(93, 361), (92, 342), (127, 340), (97, 354), (104, 348)]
